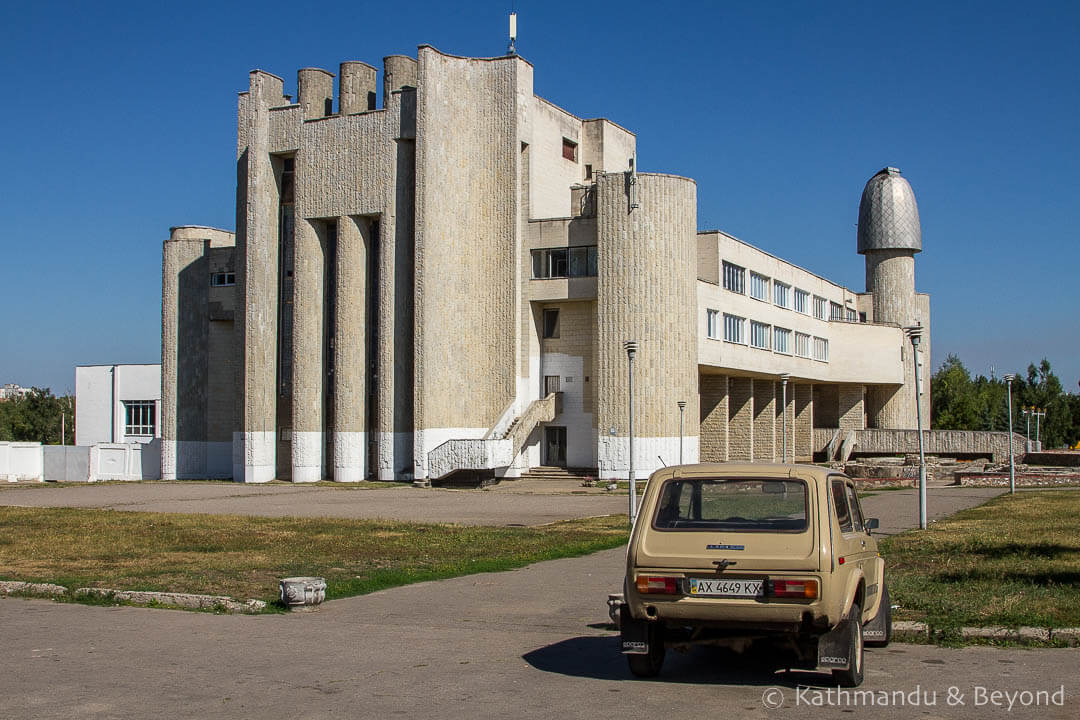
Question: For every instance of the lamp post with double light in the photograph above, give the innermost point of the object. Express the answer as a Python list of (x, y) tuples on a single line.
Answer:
[(631, 346), (783, 410), (1012, 463)]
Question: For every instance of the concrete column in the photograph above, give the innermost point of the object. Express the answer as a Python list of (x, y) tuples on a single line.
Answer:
[(356, 88), (851, 412), (254, 452), (890, 275), (740, 419), (714, 418), (803, 397), (398, 71), (764, 420), (309, 275), (350, 349), (316, 90)]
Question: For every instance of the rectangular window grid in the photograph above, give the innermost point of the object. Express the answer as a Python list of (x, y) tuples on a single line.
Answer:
[(711, 318), (802, 344), (836, 311), (759, 287), (821, 307), (734, 278), (734, 331), (781, 294), (852, 316), (782, 340), (759, 334), (821, 349), (139, 417), (223, 279), (564, 262), (802, 301)]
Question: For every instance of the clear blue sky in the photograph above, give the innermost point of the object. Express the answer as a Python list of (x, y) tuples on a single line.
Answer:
[(120, 122)]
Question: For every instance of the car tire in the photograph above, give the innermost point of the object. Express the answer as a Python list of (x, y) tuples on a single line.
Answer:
[(649, 664), (882, 621), (853, 675)]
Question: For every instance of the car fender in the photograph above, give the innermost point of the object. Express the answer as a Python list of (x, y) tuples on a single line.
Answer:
[(851, 587), (873, 609)]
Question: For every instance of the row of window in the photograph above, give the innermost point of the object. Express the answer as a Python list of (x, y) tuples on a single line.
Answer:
[(766, 337), (783, 295)]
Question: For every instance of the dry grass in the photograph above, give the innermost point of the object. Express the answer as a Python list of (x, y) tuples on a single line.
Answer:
[(244, 556), (1013, 561)]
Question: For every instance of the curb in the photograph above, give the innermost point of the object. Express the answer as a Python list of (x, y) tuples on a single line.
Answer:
[(188, 601), (919, 631)]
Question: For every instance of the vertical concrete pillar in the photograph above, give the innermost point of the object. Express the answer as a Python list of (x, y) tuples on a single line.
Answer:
[(714, 418), (851, 412), (254, 452), (316, 89), (309, 275), (350, 349), (356, 87), (803, 397), (764, 420), (740, 419), (398, 71)]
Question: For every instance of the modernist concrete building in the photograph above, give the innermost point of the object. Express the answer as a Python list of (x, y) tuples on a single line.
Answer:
[(117, 403), (441, 286)]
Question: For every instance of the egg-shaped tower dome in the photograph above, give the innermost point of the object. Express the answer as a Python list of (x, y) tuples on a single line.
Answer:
[(888, 214)]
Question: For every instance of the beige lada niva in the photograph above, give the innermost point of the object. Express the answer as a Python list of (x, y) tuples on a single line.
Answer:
[(734, 555)]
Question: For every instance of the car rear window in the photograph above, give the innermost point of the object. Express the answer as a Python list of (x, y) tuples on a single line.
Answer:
[(731, 504)]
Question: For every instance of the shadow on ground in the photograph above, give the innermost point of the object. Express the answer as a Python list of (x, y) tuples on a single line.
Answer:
[(598, 658)]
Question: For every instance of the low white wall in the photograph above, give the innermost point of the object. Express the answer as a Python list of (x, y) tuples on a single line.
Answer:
[(21, 461), (125, 461)]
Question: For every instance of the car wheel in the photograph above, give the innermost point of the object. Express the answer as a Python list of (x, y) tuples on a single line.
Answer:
[(882, 622), (649, 664), (853, 675)]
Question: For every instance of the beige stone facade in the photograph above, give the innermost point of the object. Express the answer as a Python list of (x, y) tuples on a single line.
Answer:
[(440, 285)]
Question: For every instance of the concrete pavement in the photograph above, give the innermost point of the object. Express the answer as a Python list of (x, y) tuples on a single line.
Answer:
[(530, 643)]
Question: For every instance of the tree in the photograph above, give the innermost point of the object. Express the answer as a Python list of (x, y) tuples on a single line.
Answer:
[(36, 417)]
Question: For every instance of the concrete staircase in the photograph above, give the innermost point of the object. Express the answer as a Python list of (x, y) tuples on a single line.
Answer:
[(547, 472), (479, 458)]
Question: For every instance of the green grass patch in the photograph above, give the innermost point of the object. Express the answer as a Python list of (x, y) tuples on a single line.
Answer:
[(1014, 561), (244, 556)]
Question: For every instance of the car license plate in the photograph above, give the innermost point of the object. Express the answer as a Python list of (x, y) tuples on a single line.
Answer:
[(725, 588)]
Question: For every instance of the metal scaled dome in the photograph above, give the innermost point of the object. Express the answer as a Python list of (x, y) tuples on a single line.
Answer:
[(888, 214)]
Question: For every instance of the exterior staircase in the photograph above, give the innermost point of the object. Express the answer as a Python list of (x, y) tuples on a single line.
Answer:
[(548, 472), (479, 458)]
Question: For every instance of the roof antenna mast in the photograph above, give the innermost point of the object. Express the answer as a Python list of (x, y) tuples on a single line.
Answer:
[(513, 34)]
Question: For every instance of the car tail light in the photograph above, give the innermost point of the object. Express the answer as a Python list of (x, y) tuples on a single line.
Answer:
[(805, 589), (657, 585)]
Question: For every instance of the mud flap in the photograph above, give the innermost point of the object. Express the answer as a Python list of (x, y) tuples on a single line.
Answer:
[(835, 646), (634, 634), (874, 631)]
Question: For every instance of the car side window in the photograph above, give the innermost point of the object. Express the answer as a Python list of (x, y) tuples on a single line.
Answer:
[(856, 509), (840, 503)]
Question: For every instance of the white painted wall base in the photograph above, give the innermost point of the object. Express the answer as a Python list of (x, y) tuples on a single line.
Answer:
[(195, 460), (424, 441), (350, 456), (307, 457), (395, 456), (21, 461), (254, 456), (614, 455)]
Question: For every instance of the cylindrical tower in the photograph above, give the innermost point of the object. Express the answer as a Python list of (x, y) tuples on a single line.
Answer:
[(889, 235), (647, 253)]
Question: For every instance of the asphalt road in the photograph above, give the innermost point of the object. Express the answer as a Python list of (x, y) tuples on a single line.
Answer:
[(531, 643)]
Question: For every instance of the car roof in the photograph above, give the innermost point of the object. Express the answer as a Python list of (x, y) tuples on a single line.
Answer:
[(754, 469)]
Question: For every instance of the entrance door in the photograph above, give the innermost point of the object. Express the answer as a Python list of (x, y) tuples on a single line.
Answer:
[(555, 446)]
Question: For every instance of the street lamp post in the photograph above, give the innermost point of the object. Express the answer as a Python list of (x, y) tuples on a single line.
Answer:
[(1012, 464), (631, 346), (1027, 434), (682, 408), (783, 410), (915, 334), (1038, 413)]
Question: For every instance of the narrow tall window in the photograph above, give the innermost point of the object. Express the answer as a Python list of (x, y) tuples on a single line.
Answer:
[(759, 287), (734, 331), (821, 308), (712, 318), (734, 278), (551, 323), (759, 335)]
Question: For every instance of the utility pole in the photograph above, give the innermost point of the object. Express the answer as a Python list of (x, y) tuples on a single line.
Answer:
[(1012, 462), (682, 408), (915, 334), (631, 347)]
